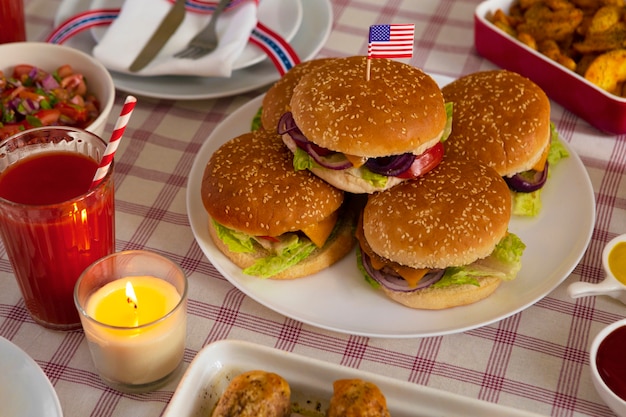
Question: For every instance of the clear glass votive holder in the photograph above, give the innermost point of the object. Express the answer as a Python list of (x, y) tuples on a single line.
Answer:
[(137, 338)]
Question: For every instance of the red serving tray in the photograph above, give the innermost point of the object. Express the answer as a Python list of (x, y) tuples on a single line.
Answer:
[(599, 108)]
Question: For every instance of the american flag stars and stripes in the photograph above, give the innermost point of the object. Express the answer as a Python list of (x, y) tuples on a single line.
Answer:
[(391, 41)]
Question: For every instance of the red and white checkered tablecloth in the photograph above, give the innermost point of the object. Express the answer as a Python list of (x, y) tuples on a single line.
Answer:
[(536, 360)]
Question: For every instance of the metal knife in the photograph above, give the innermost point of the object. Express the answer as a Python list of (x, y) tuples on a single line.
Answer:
[(166, 29)]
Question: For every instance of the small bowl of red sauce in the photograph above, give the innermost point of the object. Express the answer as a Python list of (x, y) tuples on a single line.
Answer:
[(608, 367)]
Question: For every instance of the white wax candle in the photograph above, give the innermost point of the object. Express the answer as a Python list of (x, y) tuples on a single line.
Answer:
[(140, 353)]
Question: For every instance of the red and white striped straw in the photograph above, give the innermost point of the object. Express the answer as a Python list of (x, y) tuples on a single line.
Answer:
[(114, 142)]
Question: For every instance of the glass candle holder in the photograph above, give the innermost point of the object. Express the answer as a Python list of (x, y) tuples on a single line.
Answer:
[(133, 309)]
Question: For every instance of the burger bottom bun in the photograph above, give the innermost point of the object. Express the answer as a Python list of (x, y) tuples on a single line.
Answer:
[(441, 298), (339, 245)]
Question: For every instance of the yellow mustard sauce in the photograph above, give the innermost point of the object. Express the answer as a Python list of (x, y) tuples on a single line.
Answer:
[(617, 261)]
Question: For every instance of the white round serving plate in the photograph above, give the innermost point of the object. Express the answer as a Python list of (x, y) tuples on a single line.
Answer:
[(25, 391), (339, 298), (308, 39)]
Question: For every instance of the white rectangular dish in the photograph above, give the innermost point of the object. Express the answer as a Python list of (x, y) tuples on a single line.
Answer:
[(311, 382)]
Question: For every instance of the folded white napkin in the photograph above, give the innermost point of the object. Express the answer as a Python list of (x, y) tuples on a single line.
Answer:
[(132, 29)]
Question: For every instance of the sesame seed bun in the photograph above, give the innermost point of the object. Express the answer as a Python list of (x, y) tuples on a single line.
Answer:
[(399, 109), (249, 185), (452, 216), (500, 118), (276, 100)]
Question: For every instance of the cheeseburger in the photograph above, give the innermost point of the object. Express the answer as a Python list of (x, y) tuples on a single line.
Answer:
[(441, 240), (503, 120), (362, 135), (270, 220)]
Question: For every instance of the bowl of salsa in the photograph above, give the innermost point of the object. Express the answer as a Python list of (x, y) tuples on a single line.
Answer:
[(44, 84)]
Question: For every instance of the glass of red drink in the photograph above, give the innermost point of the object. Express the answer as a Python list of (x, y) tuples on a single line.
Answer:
[(51, 224), (12, 28)]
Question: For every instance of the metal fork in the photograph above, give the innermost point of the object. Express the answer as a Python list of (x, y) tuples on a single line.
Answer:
[(206, 40)]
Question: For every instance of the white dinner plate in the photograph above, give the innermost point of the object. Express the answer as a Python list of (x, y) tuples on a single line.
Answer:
[(311, 383), (282, 16), (307, 42), (339, 299), (25, 391)]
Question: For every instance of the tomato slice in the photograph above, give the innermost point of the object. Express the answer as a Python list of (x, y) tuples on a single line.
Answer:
[(424, 162)]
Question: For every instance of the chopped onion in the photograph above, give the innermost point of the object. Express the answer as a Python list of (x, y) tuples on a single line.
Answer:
[(33, 73), (526, 183), (49, 83), (395, 282)]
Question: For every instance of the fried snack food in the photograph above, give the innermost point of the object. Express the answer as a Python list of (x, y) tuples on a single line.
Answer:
[(357, 398), (255, 393), (585, 36)]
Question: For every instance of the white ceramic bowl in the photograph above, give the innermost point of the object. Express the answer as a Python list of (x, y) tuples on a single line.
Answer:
[(49, 57), (615, 403)]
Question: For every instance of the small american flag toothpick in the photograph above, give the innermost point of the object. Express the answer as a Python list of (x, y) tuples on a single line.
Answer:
[(390, 41)]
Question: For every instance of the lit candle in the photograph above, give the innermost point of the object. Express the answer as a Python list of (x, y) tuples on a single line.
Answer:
[(132, 338)]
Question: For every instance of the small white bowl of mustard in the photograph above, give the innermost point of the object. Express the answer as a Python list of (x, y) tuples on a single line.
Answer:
[(614, 264)]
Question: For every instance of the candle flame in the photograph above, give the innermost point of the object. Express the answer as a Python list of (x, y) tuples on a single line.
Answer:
[(131, 298)]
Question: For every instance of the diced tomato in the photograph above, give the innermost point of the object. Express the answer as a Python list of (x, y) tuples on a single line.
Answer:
[(76, 113), (424, 162), (48, 117), (22, 70)]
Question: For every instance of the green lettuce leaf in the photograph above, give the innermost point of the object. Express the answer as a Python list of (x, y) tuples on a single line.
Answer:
[(377, 180), (302, 160), (526, 204), (529, 204), (557, 149), (256, 120), (504, 262), (359, 264), (448, 128), (238, 242), (291, 251)]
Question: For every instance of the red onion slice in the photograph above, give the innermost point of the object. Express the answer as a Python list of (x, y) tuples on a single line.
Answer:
[(395, 282), (525, 183), (324, 157), (335, 161), (390, 165)]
